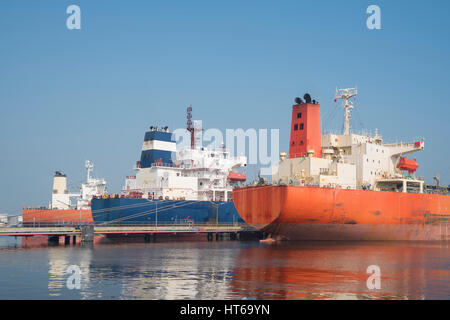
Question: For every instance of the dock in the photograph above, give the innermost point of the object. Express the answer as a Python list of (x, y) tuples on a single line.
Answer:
[(87, 232)]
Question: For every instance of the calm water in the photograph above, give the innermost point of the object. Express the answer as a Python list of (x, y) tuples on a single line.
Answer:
[(226, 270)]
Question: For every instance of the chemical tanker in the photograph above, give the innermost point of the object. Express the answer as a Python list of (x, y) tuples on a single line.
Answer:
[(344, 186), (175, 186), (60, 209)]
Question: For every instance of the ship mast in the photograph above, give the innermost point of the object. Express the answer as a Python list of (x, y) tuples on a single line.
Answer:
[(190, 128), (346, 94), (89, 167)]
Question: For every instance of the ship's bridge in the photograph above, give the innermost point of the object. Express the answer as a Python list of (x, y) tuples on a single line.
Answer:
[(191, 173), (347, 140)]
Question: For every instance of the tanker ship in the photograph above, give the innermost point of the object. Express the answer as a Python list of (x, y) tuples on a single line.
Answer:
[(66, 207), (188, 185), (344, 186)]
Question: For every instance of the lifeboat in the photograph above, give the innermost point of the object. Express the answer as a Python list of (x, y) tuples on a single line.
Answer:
[(239, 177), (407, 165)]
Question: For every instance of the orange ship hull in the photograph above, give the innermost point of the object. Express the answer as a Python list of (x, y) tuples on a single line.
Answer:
[(56, 216), (312, 213)]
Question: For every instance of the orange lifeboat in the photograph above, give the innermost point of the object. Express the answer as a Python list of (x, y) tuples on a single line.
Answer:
[(407, 165), (234, 176)]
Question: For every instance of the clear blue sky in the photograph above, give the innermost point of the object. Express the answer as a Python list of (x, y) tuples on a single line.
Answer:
[(71, 95)]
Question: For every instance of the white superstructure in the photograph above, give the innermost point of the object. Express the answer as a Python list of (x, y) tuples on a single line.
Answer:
[(3, 219), (191, 173), (352, 161), (61, 198)]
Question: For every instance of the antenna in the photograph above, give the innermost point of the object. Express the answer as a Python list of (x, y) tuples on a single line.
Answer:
[(89, 167), (346, 94), (190, 128), (438, 179)]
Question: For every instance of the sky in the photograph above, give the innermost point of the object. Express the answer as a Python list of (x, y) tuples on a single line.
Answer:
[(71, 95)]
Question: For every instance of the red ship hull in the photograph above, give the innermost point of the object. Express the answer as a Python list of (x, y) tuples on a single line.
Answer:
[(312, 213), (56, 216)]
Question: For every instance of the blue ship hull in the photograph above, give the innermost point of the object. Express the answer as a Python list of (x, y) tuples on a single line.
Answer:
[(146, 211)]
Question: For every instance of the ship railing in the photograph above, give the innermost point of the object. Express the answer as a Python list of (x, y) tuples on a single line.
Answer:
[(166, 165), (131, 224), (43, 224), (168, 224)]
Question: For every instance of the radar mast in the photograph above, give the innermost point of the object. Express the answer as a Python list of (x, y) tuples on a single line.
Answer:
[(89, 167), (346, 94)]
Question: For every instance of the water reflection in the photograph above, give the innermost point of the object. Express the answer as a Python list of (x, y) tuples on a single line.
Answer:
[(198, 272), (338, 271), (59, 260), (228, 270)]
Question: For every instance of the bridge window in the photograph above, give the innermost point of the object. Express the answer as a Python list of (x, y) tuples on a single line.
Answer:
[(301, 126), (295, 127), (299, 115)]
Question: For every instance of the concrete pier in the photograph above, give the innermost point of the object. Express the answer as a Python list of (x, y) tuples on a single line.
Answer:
[(148, 233), (87, 234)]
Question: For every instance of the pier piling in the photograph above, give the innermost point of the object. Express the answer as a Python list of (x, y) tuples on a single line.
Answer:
[(87, 234), (53, 240)]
